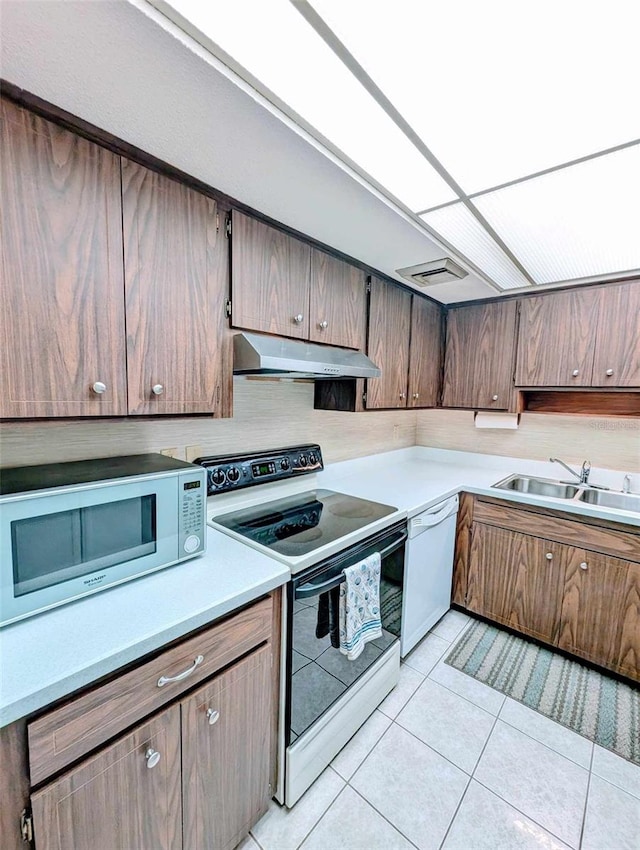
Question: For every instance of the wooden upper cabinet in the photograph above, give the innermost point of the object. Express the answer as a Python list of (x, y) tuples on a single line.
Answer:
[(516, 579), (127, 795), (556, 339), (338, 302), (62, 314), (425, 353), (175, 260), (269, 279), (600, 613), (389, 329), (226, 727), (617, 357), (479, 356)]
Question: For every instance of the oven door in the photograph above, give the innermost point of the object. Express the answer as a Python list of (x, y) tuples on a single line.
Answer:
[(319, 673)]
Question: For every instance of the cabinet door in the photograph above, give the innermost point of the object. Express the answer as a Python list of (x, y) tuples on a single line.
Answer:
[(478, 367), (513, 580), (389, 329), (120, 798), (556, 339), (617, 359), (424, 353), (269, 279), (226, 754), (62, 317), (338, 302), (176, 285), (601, 611)]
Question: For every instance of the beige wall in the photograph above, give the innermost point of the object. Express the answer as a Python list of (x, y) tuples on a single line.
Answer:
[(613, 442), (267, 414)]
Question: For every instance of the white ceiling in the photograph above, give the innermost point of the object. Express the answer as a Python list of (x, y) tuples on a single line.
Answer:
[(123, 66)]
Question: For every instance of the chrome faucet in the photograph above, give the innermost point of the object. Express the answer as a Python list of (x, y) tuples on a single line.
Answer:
[(582, 476)]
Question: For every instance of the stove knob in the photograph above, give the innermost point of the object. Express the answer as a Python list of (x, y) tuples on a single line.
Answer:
[(284, 463), (217, 477), (233, 474), (313, 458), (302, 460)]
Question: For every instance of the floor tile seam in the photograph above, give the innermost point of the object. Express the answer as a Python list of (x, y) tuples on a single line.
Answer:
[(392, 825), (455, 814), (348, 781), (610, 781), (435, 663), (586, 799), (524, 814), (255, 839), (429, 746), (451, 691), (548, 746), (308, 833), (453, 639)]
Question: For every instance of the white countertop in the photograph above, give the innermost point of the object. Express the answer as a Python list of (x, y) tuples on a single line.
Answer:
[(53, 654), (417, 478)]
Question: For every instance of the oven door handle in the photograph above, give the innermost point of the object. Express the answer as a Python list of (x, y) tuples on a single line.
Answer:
[(306, 590)]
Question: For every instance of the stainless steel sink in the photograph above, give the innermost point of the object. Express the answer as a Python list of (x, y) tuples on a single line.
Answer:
[(538, 486), (607, 499)]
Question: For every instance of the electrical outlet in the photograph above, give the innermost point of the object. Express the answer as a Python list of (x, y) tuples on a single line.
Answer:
[(192, 452), (169, 452), (396, 433)]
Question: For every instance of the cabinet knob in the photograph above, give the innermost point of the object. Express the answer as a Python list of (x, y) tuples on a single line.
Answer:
[(99, 387), (299, 319), (402, 395), (549, 556), (152, 756), (157, 389), (584, 566), (323, 325), (494, 398), (213, 716), (416, 395), (609, 372), (575, 373)]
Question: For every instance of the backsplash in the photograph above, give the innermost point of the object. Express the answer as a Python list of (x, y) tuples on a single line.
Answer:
[(608, 442), (267, 414)]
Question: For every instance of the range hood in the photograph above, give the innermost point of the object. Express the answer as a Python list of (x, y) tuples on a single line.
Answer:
[(255, 354)]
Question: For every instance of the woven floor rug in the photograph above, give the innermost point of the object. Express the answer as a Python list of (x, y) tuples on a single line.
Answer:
[(592, 704)]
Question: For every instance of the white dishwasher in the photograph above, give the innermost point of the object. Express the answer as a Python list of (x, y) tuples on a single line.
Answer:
[(428, 571)]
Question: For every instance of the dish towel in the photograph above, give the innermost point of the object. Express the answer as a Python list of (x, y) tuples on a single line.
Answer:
[(360, 606)]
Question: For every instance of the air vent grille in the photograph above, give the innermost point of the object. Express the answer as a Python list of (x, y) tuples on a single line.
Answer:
[(435, 271)]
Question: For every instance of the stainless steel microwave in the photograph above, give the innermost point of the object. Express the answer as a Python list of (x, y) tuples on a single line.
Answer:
[(70, 529)]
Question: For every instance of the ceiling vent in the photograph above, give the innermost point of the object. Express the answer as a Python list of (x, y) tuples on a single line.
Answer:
[(436, 271)]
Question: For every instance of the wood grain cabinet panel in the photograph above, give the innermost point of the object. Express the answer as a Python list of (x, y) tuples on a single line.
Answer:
[(556, 339), (226, 727), (617, 355), (389, 329), (269, 279), (479, 356), (62, 293), (176, 286), (425, 353), (601, 611), (338, 302), (119, 798), (513, 580)]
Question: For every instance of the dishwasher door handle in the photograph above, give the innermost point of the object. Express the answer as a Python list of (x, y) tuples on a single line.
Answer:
[(428, 520)]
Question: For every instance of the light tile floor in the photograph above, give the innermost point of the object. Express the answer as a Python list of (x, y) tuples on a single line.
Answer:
[(447, 762)]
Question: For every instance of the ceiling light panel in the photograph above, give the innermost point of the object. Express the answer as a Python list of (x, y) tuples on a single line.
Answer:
[(500, 90), (578, 222), (281, 50), (460, 228)]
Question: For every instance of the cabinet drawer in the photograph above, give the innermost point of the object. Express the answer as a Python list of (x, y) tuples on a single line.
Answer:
[(598, 538), (72, 730)]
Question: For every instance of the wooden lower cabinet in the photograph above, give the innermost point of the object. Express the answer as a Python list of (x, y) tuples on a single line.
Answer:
[(601, 611), (226, 728), (516, 579), (119, 799)]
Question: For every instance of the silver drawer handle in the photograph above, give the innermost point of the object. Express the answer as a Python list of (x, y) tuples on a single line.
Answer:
[(166, 680), (213, 716), (152, 756)]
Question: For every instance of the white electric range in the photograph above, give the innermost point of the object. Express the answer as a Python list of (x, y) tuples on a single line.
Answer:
[(270, 501)]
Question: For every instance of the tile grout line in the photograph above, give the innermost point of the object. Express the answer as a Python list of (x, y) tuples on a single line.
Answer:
[(586, 797), (548, 746), (393, 826)]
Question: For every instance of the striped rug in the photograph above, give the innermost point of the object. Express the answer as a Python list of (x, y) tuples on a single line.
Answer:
[(592, 704)]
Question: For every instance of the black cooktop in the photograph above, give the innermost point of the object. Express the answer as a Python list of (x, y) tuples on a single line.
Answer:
[(299, 524)]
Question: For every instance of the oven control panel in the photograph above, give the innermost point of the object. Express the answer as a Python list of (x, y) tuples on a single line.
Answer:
[(231, 472)]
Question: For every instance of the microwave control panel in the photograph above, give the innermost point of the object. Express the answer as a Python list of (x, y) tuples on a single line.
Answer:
[(192, 498), (232, 472)]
